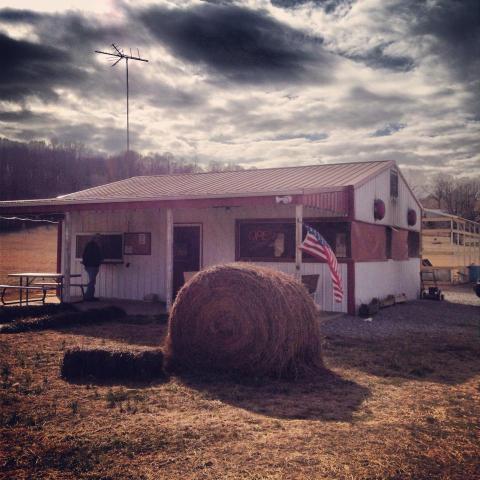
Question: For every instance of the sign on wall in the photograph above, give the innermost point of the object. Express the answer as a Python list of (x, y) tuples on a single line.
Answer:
[(137, 243)]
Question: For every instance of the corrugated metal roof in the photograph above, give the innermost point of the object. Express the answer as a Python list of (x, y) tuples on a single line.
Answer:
[(257, 182), (254, 182)]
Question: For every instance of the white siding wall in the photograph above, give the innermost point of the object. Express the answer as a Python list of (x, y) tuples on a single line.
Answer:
[(146, 272), (379, 279), (324, 294), (396, 209)]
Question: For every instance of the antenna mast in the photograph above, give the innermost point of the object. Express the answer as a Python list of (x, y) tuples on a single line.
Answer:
[(120, 55)]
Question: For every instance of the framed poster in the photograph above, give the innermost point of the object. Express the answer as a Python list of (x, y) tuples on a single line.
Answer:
[(137, 243)]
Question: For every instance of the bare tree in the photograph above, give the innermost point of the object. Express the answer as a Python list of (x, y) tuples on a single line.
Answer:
[(457, 196)]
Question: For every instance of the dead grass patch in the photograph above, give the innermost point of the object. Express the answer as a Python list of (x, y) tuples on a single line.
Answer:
[(359, 424)]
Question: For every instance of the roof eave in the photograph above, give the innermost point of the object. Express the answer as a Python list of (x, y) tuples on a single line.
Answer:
[(59, 202)]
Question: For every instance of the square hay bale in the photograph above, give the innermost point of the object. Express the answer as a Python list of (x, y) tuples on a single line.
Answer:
[(112, 365)]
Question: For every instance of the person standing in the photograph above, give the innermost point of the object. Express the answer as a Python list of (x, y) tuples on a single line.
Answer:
[(92, 258)]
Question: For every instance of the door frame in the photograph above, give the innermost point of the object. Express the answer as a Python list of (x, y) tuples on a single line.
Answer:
[(200, 241)]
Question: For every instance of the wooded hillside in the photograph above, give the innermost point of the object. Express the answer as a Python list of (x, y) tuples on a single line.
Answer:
[(44, 170)]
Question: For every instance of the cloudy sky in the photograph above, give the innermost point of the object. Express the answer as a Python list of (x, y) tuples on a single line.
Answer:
[(258, 83)]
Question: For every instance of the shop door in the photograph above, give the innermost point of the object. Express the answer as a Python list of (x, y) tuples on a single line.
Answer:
[(186, 253)]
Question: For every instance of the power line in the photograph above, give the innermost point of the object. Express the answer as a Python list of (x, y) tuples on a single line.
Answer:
[(120, 55), (27, 219)]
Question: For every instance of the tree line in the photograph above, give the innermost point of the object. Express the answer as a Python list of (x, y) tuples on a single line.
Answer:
[(40, 169), (457, 196)]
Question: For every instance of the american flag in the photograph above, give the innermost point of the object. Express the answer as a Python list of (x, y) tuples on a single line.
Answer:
[(316, 245)]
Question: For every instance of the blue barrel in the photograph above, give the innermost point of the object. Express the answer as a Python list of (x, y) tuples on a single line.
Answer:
[(474, 273)]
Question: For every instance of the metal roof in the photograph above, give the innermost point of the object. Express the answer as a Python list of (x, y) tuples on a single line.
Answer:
[(434, 212), (240, 183)]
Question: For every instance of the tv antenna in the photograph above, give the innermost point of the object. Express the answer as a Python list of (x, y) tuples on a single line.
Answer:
[(120, 55)]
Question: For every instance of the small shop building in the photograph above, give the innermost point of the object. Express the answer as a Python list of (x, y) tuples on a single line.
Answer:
[(157, 230)]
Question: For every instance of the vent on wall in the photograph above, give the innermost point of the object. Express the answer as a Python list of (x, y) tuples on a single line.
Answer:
[(393, 183)]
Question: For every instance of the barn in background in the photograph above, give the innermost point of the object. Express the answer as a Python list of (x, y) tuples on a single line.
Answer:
[(450, 244), (158, 229)]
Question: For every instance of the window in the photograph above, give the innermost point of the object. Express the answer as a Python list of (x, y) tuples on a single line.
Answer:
[(388, 246), (413, 244), (393, 183), (274, 241), (265, 241), (112, 246), (337, 234)]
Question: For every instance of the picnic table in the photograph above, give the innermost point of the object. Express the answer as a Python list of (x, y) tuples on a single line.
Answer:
[(29, 281)]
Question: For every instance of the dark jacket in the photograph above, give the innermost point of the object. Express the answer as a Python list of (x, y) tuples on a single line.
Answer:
[(92, 255)]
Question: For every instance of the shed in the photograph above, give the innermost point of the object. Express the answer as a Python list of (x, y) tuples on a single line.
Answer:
[(158, 229)]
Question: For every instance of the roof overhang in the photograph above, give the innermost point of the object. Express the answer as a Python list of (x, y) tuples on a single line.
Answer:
[(329, 198)]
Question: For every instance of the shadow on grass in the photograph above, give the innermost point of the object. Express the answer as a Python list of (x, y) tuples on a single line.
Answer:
[(132, 331), (328, 397)]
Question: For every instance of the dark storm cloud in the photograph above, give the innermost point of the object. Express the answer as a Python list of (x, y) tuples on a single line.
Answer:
[(328, 5), (95, 137), (64, 56), (24, 116), (12, 15), (241, 44), (377, 58), (448, 30), (69, 30), (311, 137), (388, 130), (452, 28), (31, 69)]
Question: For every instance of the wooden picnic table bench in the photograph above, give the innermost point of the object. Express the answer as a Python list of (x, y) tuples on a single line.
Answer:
[(29, 281), (25, 288), (56, 285)]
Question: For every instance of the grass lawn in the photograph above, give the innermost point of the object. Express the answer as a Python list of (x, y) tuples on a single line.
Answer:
[(401, 400), (27, 250)]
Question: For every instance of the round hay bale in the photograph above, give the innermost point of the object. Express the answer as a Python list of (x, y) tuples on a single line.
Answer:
[(245, 320)]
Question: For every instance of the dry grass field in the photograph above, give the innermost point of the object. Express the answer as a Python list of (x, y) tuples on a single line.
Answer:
[(29, 250), (401, 400)]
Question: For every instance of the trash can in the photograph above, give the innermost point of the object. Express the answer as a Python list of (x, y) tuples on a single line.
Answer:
[(474, 273)]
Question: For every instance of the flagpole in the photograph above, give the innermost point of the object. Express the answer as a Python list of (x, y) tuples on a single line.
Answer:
[(298, 241)]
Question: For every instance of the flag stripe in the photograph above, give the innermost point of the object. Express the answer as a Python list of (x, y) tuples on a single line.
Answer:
[(316, 245)]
